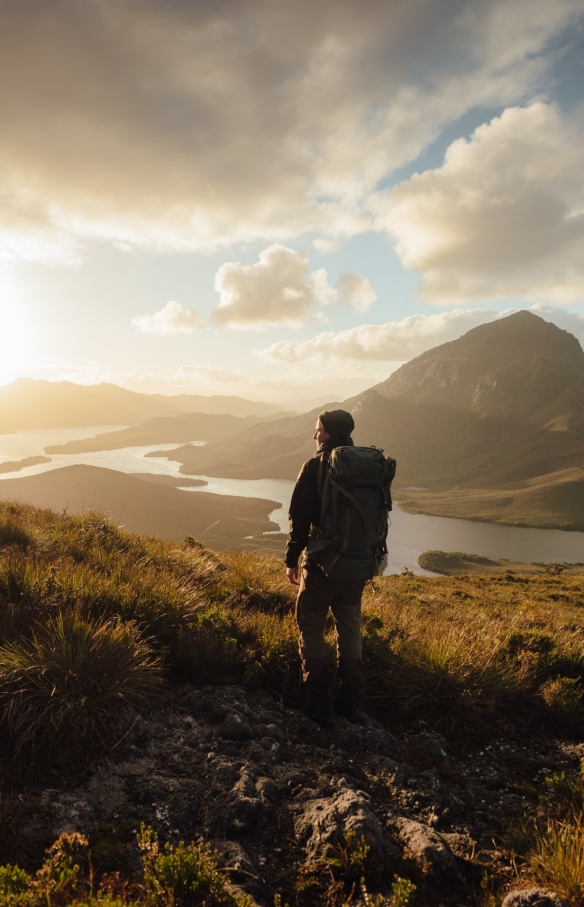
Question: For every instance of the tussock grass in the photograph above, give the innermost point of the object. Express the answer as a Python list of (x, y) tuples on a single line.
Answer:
[(71, 682), (557, 860)]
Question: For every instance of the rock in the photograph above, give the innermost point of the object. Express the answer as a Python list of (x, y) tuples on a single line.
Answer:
[(534, 897), (369, 738), (251, 799), (234, 727), (324, 823), (427, 847)]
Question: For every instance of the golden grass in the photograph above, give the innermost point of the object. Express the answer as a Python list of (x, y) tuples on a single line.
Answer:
[(469, 654)]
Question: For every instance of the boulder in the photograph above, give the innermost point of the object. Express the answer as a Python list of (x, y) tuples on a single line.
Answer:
[(427, 847), (534, 897), (324, 823)]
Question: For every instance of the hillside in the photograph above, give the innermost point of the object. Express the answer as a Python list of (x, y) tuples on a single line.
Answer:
[(146, 505), (489, 426), (149, 698), (27, 403)]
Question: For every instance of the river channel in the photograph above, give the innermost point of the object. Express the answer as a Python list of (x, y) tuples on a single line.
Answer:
[(409, 534)]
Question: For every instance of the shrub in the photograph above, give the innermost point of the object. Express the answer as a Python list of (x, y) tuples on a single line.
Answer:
[(14, 532), (183, 876), (14, 886), (564, 794), (563, 698), (66, 687)]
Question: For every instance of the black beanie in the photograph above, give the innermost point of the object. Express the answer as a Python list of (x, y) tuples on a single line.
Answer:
[(337, 422)]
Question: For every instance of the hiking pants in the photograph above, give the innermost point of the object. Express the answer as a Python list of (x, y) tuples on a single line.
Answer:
[(316, 595)]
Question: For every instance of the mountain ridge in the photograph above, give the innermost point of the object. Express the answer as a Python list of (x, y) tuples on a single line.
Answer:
[(30, 403)]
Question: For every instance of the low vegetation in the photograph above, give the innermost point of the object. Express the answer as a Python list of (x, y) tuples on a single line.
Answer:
[(451, 563), (94, 620), (95, 623)]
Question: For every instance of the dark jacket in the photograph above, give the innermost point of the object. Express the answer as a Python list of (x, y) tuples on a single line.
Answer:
[(304, 507)]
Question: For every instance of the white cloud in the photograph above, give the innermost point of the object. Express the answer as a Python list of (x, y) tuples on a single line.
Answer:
[(276, 290), (281, 290), (396, 341), (180, 126), (503, 216), (399, 341), (172, 319)]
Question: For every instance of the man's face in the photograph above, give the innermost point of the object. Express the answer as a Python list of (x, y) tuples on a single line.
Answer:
[(320, 435)]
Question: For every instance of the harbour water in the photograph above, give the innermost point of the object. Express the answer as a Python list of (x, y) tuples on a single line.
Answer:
[(409, 534)]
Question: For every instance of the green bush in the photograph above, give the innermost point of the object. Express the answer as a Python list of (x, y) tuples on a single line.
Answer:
[(66, 687), (14, 886), (183, 876)]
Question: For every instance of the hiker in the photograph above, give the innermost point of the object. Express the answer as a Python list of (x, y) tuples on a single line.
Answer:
[(333, 574)]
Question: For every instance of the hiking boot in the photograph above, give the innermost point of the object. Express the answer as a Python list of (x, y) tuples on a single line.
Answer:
[(351, 710), (315, 691), (319, 712)]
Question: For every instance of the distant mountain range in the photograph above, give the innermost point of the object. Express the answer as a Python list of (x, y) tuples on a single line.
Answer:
[(27, 403), (489, 426)]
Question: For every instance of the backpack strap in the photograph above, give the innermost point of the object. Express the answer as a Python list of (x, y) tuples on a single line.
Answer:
[(321, 478), (353, 501)]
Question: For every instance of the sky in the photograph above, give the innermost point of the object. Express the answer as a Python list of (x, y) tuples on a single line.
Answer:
[(284, 201)]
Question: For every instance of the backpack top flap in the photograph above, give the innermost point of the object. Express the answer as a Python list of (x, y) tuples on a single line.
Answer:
[(360, 466)]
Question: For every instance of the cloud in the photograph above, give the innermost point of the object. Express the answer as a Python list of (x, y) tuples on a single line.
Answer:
[(503, 216), (396, 341), (280, 290), (172, 319), (181, 126), (276, 290), (399, 341)]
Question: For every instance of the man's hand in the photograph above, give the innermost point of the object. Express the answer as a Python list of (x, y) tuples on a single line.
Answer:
[(292, 574)]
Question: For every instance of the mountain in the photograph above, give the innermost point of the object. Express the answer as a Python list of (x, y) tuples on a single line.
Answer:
[(27, 403), (164, 430), (267, 450), (500, 407), (514, 368)]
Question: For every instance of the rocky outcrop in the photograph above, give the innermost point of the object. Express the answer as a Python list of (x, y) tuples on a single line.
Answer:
[(534, 897), (273, 792)]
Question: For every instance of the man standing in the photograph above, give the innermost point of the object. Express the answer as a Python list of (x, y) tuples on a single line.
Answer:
[(318, 592)]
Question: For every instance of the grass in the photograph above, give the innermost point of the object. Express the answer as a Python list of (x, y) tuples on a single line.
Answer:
[(95, 622), (548, 846), (72, 680), (93, 618)]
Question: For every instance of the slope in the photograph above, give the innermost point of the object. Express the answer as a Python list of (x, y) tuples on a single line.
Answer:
[(146, 507)]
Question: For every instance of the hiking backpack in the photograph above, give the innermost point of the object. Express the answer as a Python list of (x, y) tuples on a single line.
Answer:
[(349, 544)]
